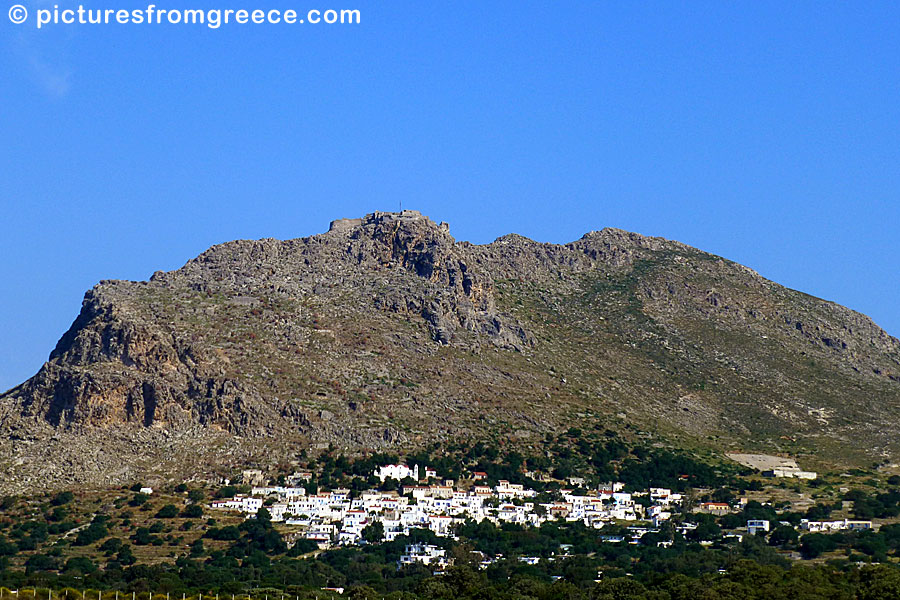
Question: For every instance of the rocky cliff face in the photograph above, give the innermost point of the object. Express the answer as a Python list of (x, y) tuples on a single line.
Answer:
[(386, 332)]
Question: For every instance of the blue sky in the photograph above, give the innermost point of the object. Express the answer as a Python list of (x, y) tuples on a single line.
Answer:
[(766, 132)]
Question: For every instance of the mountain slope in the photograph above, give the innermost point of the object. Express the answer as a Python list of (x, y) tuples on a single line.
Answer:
[(386, 332)]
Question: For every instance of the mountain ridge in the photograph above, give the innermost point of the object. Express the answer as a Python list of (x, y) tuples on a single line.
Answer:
[(385, 331)]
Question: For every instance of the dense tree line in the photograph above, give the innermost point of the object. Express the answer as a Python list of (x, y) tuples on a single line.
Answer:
[(572, 559)]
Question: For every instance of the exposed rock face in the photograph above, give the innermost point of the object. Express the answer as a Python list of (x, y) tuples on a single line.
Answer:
[(385, 331), (113, 367)]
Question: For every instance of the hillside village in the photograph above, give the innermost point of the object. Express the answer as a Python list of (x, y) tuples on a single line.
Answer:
[(331, 522), (336, 517), (581, 507)]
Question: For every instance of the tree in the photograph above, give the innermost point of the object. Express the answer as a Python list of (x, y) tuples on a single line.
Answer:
[(814, 545), (138, 499), (362, 592), (264, 516), (126, 557), (192, 511), (111, 546), (7, 548), (57, 514), (879, 583), (373, 533), (142, 536), (81, 565), (169, 511), (723, 495), (96, 531), (464, 581), (707, 529), (40, 562), (301, 547), (434, 588), (620, 588), (227, 491), (62, 498), (227, 533), (464, 555), (784, 534)]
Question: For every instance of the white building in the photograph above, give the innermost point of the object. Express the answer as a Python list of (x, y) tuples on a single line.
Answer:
[(754, 526), (425, 554), (843, 524), (790, 472), (398, 472)]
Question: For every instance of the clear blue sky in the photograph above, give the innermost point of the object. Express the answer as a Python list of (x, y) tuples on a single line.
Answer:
[(767, 132)]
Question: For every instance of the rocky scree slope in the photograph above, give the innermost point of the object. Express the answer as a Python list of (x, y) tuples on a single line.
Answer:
[(385, 332)]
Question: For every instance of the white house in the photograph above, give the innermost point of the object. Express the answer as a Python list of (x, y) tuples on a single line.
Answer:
[(250, 505), (754, 526), (425, 554)]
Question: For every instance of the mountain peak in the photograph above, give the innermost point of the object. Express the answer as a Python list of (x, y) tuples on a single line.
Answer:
[(387, 218)]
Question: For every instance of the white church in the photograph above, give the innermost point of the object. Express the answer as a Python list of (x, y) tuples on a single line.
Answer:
[(398, 472)]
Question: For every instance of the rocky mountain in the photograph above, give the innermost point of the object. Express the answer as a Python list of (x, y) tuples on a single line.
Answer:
[(385, 332)]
